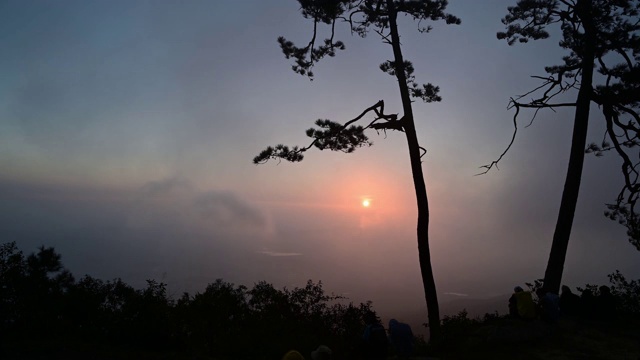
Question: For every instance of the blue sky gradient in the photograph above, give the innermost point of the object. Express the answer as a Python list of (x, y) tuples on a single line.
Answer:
[(127, 130)]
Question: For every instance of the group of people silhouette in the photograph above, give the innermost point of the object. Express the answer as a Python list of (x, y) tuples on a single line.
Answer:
[(550, 306), (374, 343)]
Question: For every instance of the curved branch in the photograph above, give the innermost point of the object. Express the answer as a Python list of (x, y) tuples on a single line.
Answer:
[(335, 136), (541, 106), (494, 163), (609, 115)]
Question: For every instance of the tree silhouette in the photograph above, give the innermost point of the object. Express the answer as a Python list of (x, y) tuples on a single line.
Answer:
[(45, 313), (379, 16), (596, 33)]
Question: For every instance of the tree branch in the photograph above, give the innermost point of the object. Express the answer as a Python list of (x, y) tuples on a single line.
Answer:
[(335, 136), (494, 163)]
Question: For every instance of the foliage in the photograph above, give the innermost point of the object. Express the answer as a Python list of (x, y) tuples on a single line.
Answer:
[(500, 337), (42, 308), (362, 17), (627, 293), (535, 286), (460, 323), (458, 328), (585, 336), (456, 325)]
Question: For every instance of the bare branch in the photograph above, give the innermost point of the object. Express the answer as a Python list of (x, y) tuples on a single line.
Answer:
[(513, 138), (546, 106), (385, 38)]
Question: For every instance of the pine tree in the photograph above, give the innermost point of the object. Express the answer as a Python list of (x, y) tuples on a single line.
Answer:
[(602, 35), (379, 16)]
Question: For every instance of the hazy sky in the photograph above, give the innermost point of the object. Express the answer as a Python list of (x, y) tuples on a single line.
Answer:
[(127, 130)]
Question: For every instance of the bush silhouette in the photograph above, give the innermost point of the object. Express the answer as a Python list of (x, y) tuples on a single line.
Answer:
[(44, 311)]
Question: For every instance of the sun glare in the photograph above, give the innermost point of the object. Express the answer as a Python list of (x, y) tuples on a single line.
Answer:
[(366, 202)]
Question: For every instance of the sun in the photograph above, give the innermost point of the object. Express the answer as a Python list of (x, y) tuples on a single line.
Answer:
[(366, 202)]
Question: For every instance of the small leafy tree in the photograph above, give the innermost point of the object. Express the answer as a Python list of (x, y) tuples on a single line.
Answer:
[(627, 293), (12, 279), (600, 34), (379, 16)]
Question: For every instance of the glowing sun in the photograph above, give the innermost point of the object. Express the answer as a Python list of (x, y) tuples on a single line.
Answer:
[(366, 202)]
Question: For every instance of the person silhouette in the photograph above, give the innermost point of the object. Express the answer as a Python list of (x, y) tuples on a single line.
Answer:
[(293, 355), (321, 353), (569, 303), (549, 303), (401, 338), (521, 304), (374, 338)]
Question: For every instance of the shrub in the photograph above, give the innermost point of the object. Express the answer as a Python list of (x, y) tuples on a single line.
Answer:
[(41, 302)]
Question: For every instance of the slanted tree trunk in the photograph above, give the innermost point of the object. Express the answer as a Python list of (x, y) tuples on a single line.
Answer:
[(555, 266), (428, 281)]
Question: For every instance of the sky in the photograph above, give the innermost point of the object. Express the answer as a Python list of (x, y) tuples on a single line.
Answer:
[(127, 130)]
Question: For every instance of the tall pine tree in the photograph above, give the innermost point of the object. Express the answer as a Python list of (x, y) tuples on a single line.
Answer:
[(602, 35), (379, 16)]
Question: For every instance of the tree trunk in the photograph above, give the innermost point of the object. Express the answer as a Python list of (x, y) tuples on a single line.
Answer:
[(555, 266), (424, 255)]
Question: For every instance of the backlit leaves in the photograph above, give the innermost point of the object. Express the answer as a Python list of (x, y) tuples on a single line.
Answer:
[(334, 136)]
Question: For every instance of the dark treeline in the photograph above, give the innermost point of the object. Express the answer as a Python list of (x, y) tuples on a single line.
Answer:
[(46, 313)]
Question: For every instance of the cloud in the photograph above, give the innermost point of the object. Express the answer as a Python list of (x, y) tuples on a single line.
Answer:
[(175, 201), (165, 226), (456, 294), (227, 208)]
